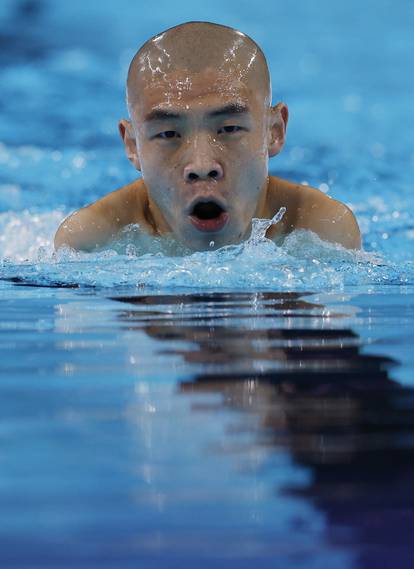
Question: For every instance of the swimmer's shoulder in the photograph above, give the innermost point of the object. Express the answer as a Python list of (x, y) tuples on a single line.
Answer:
[(96, 224), (124, 205), (311, 209)]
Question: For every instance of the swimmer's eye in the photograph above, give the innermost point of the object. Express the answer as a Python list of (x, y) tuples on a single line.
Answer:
[(229, 129), (168, 134)]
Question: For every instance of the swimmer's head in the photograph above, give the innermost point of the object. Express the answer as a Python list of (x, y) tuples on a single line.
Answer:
[(201, 131)]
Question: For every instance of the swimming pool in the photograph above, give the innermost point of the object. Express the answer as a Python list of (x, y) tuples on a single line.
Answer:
[(251, 405)]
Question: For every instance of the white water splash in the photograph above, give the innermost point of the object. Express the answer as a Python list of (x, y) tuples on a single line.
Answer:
[(260, 226), (302, 261)]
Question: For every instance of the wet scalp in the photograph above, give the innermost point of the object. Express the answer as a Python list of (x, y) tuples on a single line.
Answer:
[(193, 47)]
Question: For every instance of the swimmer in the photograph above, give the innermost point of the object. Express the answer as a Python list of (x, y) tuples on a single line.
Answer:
[(201, 130)]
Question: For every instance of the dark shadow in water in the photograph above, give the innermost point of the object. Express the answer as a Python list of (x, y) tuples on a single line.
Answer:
[(21, 281), (317, 394)]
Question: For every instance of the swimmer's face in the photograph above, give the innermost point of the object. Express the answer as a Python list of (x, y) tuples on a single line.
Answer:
[(202, 143)]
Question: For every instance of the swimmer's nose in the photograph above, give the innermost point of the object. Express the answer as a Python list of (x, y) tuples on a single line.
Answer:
[(209, 171)]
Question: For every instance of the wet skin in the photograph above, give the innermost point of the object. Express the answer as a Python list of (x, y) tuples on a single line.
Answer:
[(204, 144), (202, 140)]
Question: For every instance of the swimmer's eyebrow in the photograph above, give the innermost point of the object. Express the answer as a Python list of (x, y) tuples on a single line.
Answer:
[(161, 115), (230, 109), (165, 114)]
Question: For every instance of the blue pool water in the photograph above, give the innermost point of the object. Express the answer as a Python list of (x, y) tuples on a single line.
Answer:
[(251, 406)]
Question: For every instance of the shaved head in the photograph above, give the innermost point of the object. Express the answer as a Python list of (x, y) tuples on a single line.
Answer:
[(201, 131), (191, 48)]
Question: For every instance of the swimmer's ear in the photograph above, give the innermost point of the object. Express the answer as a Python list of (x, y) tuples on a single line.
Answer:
[(127, 134), (279, 116)]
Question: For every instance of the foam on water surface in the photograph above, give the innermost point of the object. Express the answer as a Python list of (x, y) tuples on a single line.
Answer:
[(302, 261)]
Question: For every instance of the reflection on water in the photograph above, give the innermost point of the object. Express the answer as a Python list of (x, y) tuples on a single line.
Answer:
[(205, 430), (314, 393)]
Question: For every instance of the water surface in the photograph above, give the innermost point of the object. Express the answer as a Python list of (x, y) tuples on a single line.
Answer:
[(222, 429)]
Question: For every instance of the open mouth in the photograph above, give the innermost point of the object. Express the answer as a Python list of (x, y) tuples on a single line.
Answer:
[(208, 216)]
